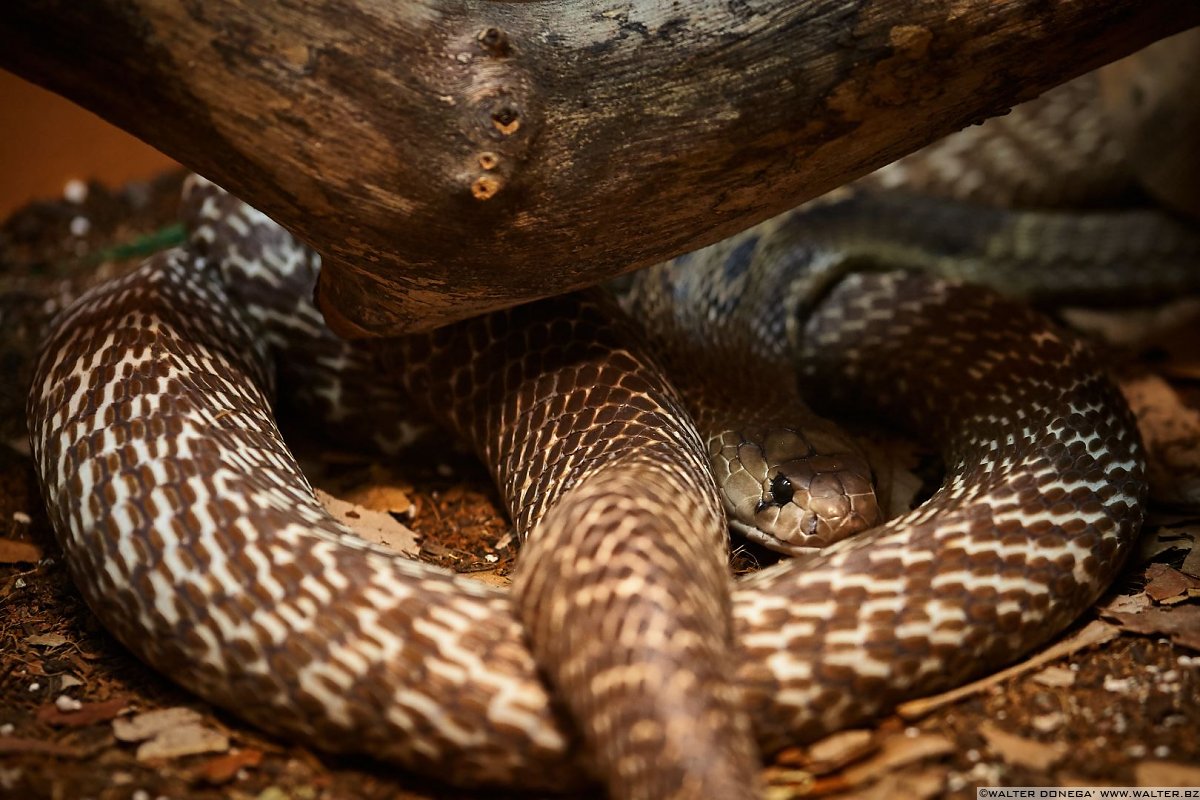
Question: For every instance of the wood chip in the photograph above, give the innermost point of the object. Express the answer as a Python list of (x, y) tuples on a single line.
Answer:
[(14, 551), (1055, 677), (1095, 633), (87, 714), (911, 784), (223, 769), (896, 752), (143, 726), (836, 751), (186, 740), (1166, 773), (1168, 585), (10, 745), (69, 681), (377, 527), (1021, 752)]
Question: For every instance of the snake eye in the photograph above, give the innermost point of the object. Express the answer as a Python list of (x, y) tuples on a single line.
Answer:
[(781, 490)]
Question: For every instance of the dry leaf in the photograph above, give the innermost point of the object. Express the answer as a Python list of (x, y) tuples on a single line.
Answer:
[(1167, 585), (1126, 604), (1156, 540), (87, 714), (13, 551), (1191, 563), (373, 526), (15, 744), (1180, 623), (47, 640), (1166, 773), (146, 725), (223, 769), (186, 740), (1022, 752)]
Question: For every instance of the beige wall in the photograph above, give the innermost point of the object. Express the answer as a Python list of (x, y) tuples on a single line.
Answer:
[(46, 140)]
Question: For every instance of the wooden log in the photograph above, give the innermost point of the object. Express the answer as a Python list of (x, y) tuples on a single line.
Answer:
[(452, 157)]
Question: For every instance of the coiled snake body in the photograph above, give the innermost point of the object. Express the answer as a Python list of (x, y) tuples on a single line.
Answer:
[(195, 538)]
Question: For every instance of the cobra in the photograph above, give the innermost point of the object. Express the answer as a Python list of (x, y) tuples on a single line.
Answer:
[(195, 538)]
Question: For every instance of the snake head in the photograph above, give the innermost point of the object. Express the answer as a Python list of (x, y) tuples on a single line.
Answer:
[(794, 490)]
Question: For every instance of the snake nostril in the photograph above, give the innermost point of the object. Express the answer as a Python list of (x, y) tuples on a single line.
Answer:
[(782, 490)]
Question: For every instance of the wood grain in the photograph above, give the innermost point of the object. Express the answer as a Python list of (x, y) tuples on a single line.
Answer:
[(452, 157)]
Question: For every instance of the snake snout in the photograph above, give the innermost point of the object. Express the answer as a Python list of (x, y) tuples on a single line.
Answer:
[(791, 497)]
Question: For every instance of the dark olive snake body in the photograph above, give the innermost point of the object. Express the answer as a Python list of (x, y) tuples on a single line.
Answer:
[(624, 651)]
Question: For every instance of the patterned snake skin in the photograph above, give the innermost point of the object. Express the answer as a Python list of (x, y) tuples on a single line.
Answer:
[(195, 538)]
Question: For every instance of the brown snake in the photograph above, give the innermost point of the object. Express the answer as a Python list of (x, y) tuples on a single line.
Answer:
[(194, 537)]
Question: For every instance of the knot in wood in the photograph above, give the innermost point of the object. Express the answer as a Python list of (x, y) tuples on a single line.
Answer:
[(494, 42)]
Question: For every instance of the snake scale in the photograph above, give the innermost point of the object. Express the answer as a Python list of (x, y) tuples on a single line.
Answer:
[(195, 538)]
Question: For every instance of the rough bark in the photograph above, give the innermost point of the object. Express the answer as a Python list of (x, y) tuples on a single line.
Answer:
[(451, 157)]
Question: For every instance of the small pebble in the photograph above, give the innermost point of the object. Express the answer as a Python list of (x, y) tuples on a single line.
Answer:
[(1162, 751), (956, 782), (1188, 661), (140, 794), (972, 755), (1046, 723), (75, 191), (1170, 676), (912, 732), (80, 226), (1136, 751), (6, 729), (21, 518), (33, 687), (19, 583), (64, 703), (1119, 685)]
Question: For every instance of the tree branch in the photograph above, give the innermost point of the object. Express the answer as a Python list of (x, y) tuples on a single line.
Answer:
[(452, 157)]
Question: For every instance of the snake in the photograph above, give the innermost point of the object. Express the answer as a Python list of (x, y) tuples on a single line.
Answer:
[(193, 535)]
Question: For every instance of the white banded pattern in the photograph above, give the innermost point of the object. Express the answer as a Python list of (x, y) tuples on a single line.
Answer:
[(196, 540)]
